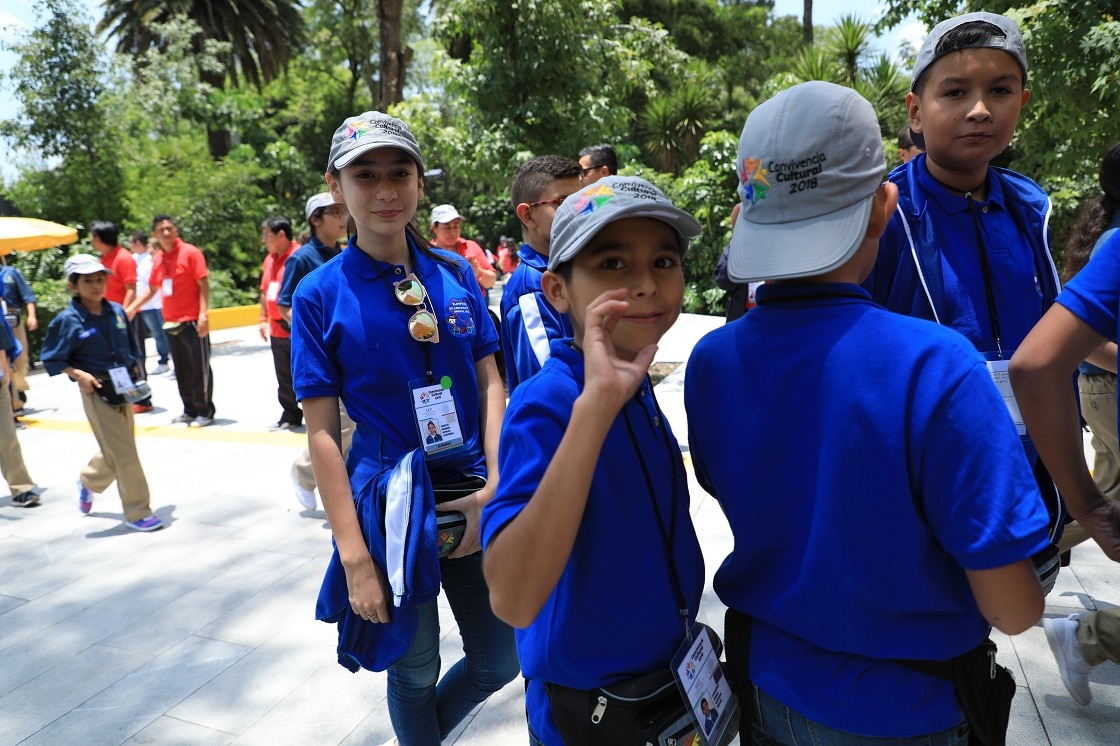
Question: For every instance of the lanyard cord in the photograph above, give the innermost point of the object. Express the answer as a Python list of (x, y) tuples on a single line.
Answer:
[(666, 535), (985, 267)]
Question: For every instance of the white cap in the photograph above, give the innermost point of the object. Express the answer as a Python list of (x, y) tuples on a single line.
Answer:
[(84, 264), (323, 199), (810, 161), (444, 214)]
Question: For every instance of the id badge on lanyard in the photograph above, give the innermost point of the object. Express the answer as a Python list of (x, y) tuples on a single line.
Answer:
[(273, 291), (702, 681), (997, 368), (122, 381), (437, 419)]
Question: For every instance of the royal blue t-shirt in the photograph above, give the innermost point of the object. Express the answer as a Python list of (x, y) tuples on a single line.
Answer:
[(529, 322), (1094, 294), (350, 340), (302, 262), (864, 459), (613, 614)]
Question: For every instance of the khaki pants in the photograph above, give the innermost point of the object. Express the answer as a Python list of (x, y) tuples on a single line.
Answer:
[(118, 459), (301, 469), (1098, 407), (1098, 636), (11, 455), (23, 362)]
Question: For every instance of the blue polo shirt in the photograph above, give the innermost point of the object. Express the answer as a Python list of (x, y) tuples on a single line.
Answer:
[(350, 340), (613, 614), (90, 342), (17, 292), (873, 461), (529, 322), (302, 262), (1094, 294)]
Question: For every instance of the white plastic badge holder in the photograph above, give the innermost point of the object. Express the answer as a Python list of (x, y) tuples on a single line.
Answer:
[(273, 291), (122, 382), (703, 684), (167, 286), (998, 370), (437, 420)]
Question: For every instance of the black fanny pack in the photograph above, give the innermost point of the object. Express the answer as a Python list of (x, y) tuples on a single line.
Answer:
[(174, 328), (451, 526), (984, 690), (640, 711), (108, 392)]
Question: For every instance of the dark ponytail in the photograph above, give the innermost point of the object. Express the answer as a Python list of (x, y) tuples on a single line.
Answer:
[(1094, 216)]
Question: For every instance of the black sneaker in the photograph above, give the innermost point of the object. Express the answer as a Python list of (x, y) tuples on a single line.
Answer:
[(26, 500)]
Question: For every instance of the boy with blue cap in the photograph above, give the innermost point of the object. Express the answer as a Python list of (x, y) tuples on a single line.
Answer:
[(589, 549), (969, 245), (876, 473)]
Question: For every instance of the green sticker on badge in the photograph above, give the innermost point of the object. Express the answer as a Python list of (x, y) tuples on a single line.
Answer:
[(445, 382)]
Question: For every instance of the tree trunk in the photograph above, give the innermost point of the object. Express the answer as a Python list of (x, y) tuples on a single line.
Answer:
[(394, 60), (807, 23)]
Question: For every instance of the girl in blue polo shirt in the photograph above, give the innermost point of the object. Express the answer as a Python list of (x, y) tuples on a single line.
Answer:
[(398, 331)]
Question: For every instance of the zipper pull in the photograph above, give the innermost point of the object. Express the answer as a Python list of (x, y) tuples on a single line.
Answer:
[(992, 659), (600, 708)]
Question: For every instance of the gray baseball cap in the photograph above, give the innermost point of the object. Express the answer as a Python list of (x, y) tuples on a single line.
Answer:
[(315, 201), (84, 264), (1011, 41), (370, 131), (810, 160), (584, 213)]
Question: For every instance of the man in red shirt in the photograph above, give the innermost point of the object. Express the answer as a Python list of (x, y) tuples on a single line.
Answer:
[(120, 285), (276, 235), (179, 272)]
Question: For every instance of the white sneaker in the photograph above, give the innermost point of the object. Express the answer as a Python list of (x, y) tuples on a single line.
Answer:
[(160, 369), (1062, 636), (305, 496)]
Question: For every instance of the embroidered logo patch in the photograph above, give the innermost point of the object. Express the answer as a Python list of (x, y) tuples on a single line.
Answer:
[(592, 198), (459, 320), (754, 184)]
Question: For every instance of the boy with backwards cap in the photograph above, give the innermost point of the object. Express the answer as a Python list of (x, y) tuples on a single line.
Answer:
[(89, 340), (969, 245), (880, 501), (589, 547)]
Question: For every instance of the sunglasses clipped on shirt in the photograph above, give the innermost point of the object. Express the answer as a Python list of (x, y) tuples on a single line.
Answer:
[(422, 326)]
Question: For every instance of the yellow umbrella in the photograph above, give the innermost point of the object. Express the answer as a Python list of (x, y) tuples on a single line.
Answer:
[(32, 234)]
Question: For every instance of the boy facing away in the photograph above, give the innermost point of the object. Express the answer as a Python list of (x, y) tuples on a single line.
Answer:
[(593, 501), (529, 321), (878, 494), (89, 341), (969, 245)]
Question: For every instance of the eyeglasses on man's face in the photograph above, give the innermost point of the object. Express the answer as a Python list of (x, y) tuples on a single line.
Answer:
[(555, 202)]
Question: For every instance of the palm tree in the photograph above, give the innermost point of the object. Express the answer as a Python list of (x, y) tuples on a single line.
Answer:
[(261, 35), (807, 22)]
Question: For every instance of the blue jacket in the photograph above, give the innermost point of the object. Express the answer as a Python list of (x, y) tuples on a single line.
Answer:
[(93, 343), (529, 322), (398, 518), (908, 277)]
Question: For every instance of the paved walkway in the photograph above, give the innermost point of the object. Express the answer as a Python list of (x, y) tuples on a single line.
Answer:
[(203, 633)]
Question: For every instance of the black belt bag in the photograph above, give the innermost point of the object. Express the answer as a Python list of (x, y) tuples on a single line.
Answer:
[(637, 712), (108, 393), (451, 526), (174, 328)]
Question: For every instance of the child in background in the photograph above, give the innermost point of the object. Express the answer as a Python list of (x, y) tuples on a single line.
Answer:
[(89, 341)]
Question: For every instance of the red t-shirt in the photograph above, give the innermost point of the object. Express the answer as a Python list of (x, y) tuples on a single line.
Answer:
[(272, 276), (175, 275), (123, 268)]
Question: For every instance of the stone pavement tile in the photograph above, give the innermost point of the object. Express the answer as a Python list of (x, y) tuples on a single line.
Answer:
[(55, 692), (500, 719), (221, 587), (90, 591), (327, 708), (167, 731), (7, 603), (238, 696), (265, 610), (1068, 592), (142, 696)]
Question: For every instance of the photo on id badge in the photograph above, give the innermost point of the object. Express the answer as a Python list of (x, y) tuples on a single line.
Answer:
[(701, 680), (437, 421)]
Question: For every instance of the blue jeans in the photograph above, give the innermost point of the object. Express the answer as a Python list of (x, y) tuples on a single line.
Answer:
[(423, 712), (153, 319), (775, 724)]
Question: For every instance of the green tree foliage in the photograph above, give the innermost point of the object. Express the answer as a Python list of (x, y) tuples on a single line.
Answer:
[(258, 39), (59, 81)]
